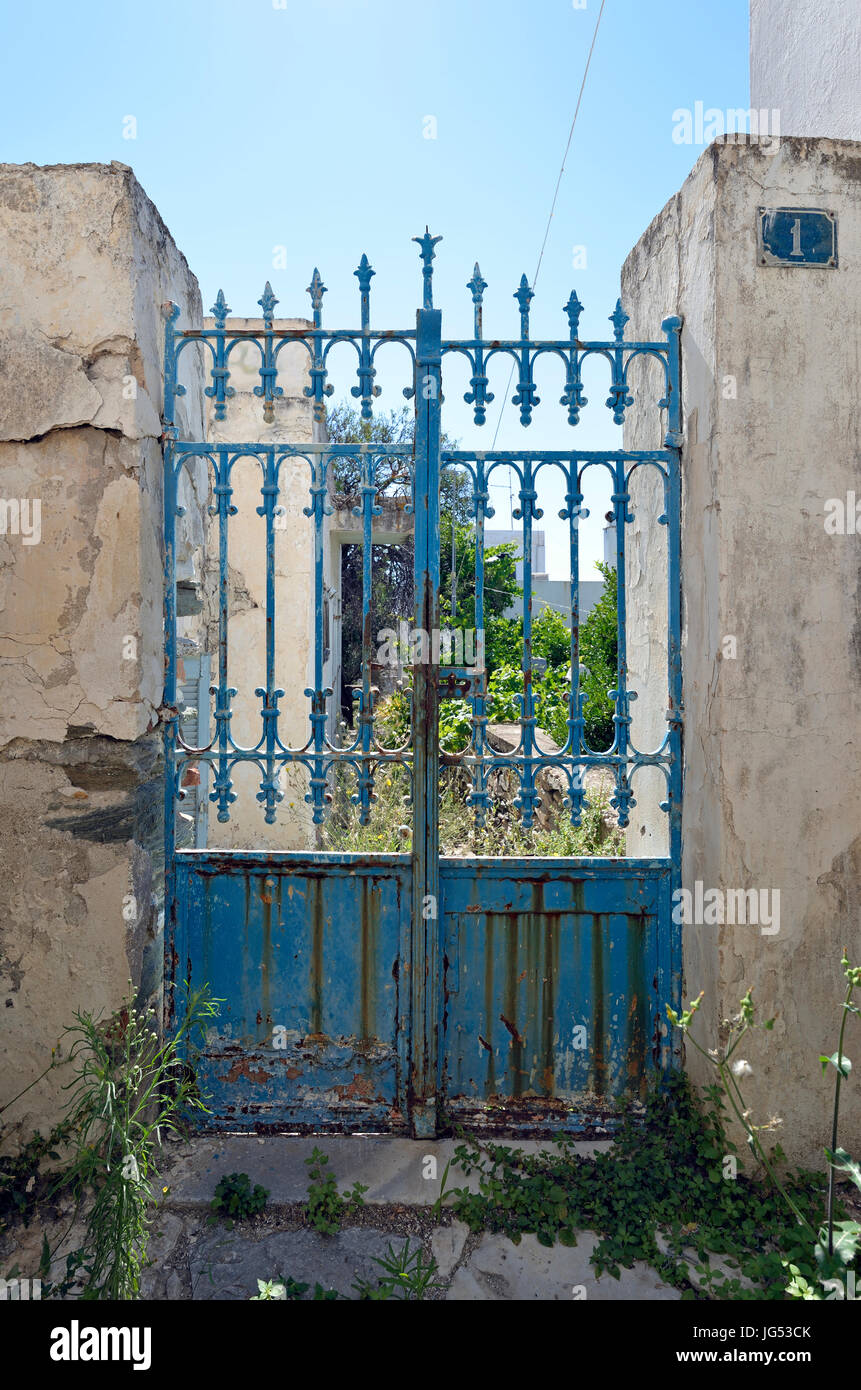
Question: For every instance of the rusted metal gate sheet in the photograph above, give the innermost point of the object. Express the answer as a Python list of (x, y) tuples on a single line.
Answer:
[(552, 981), (407, 991), (311, 1033)]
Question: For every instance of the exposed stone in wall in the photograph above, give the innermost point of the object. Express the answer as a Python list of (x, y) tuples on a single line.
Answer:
[(86, 264), (772, 757)]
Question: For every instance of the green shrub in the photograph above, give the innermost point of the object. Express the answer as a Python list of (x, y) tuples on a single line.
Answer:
[(237, 1199)]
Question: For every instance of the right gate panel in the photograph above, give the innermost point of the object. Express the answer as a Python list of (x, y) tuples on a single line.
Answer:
[(555, 979)]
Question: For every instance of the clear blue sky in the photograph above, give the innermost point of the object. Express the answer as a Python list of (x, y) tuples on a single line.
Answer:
[(303, 126)]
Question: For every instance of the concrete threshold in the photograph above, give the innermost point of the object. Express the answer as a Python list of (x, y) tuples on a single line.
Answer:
[(398, 1171)]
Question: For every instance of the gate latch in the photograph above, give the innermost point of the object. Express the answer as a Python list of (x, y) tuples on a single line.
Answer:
[(461, 682)]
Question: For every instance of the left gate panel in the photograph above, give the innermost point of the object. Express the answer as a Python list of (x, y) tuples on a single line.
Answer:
[(309, 960)]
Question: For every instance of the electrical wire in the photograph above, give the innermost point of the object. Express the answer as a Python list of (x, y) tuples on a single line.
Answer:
[(550, 215), (504, 401)]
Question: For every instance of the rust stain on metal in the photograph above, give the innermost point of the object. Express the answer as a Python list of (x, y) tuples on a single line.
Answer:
[(242, 1068), (367, 1001), (512, 1030), (316, 982), (484, 1043), (360, 1088)]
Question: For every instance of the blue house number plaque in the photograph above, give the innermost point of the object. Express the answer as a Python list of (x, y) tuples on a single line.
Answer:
[(797, 236)]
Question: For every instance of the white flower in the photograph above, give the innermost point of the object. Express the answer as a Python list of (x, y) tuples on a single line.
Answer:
[(742, 1068), (269, 1289)]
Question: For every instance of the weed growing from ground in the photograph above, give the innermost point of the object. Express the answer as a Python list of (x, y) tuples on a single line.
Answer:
[(236, 1199), (407, 1276), (326, 1206), (665, 1177)]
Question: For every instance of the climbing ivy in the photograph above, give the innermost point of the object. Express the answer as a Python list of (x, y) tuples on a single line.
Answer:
[(667, 1175)]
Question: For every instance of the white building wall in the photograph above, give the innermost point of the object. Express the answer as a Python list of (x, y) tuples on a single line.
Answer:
[(805, 62), (772, 797)]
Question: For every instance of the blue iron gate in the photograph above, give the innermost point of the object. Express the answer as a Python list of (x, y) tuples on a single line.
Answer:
[(379, 991)]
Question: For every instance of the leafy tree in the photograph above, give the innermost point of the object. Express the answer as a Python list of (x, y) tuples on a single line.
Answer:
[(392, 591), (599, 654), (344, 425), (392, 585), (500, 575), (551, 637), (503, 638)]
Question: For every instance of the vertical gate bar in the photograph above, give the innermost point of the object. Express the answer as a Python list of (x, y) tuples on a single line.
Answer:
[(318, 796), (223, 494), (269, 793), (270, 496), (527, 796), (622, 798), (575, 723), (366, 713), (671, 1051), (479, 703), (425, 1051), (169, 709), (319, 697)]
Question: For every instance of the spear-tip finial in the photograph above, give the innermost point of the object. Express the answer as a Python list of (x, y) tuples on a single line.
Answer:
[(363, 272), (573, 309), (267, 301), (220, 309), (316, 289), (523, 294), (477, 284), (619, 318)]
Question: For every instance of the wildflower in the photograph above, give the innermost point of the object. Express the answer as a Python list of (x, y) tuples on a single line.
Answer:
[(742, 1068)]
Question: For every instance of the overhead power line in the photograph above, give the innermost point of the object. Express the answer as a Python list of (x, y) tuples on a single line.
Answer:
[(549, 220)]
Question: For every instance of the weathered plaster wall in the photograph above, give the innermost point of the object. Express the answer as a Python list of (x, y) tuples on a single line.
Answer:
[(805, 61), (86, 263), (772, 751)]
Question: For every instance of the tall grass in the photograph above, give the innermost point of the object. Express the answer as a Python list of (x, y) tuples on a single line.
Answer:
[(389, 827), (128, 1089)]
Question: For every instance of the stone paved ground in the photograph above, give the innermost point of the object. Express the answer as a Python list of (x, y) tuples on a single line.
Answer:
[(193, 1256)]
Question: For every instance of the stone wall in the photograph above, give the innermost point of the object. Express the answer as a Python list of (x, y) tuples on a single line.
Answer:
[(772, 754), (86, 264)]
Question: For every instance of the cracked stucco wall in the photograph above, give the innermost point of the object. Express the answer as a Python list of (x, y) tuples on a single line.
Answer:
[(86, 264), (773, 735)]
